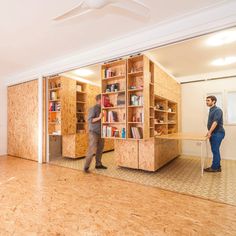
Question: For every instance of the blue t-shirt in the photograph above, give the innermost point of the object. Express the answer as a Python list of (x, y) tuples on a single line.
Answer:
[(215, 114)]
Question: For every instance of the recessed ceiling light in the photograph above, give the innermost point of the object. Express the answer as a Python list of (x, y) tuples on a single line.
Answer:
[(83, 72), (224, 61), (222, 38)]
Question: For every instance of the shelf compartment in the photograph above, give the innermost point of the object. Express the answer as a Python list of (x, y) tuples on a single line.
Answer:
[(108, 93), (117, 77)]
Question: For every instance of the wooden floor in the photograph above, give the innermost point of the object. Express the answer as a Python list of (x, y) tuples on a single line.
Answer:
[(50, 200)]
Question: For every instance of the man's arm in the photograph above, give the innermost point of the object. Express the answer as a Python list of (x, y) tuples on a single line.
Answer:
[(94, 120), (217, 116), (213, 126)]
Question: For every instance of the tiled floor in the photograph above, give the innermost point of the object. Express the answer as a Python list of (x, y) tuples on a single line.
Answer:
[(51, 200), (181, 175)]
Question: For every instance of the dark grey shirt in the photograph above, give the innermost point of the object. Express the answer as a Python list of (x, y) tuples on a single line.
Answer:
[(215, 114), (94, 112)]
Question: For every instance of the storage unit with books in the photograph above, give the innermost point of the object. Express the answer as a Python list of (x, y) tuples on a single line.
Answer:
[(139, 87), (114, 100), (155, 115)]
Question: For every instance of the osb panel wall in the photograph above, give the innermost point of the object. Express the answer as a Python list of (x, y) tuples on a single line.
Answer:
[(147, 159), (23, 120), (126, 153), (68, 106), (165, 86), (75, 146)]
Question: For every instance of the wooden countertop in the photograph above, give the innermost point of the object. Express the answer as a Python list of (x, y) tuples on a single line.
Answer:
[(184, 136)]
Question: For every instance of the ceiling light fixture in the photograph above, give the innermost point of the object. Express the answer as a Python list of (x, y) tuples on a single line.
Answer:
[(222, 38), (224, 61), (83, 72)]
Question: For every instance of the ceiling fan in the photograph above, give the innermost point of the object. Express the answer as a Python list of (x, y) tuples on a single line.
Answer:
[(86, 6)]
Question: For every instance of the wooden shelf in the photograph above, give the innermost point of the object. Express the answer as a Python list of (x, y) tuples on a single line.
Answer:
[(107, 93), (131, 106), (54, 111), (116, 107), (114, 138), (136, 73), (81, 92), (54, 89), (81, 123), (161, 111), (107, 123), (114, 77), (135, 122), (161, 123), (83, 102), (80, 112), (56, 100), (135, 90)]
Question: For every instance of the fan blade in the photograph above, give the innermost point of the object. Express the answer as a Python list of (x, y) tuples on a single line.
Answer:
[(81, 9), (133, 6)]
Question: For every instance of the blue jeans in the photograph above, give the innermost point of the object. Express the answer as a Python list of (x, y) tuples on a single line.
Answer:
[(215, 141)]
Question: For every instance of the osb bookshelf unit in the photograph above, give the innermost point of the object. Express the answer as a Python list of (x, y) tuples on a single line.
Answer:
[(140, 86), (81, 107), (166, 116), (164, 110), (54, 105), (61, 105), (114, 100)]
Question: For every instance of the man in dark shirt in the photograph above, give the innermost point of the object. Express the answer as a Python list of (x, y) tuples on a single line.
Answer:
[(216, 132), (96, 143)]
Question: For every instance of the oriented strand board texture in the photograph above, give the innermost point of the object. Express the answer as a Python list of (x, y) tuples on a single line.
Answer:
[(76, 145), (165, 151), (147, 159), (146, 96), (68, 145), (23, 120), (126, 153), (68, 106)]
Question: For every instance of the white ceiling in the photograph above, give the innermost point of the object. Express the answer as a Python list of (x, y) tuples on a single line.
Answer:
[(30, 38), (94, 78), (192, 57)]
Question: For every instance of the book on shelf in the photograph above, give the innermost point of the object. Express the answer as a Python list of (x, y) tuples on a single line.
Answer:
[(121, 99), (106, 101), (54, 106), (109, 132), (136, 100), (112, 87), (110, 116), (108, 73), (139, 118), (136, 132)]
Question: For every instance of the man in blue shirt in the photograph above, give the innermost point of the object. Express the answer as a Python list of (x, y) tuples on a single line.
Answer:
[(216, 133)]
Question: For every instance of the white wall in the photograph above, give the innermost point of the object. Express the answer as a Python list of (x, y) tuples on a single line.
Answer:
[(194, 114), (3, 118)]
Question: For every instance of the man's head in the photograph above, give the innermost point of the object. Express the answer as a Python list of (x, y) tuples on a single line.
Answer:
[(98, 99), (211, 101)]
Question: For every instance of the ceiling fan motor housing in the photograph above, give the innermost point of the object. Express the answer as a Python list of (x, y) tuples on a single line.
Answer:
[(96, 4)]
